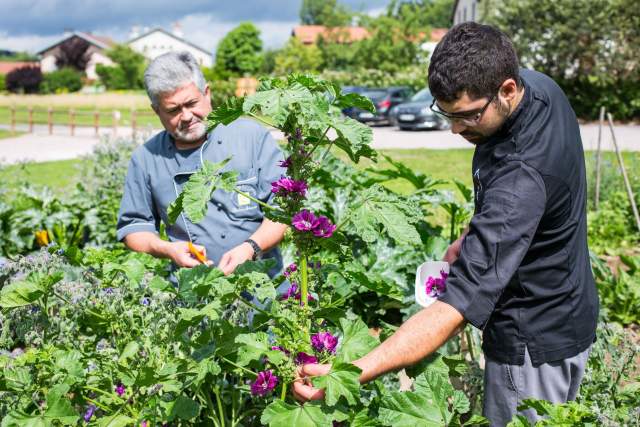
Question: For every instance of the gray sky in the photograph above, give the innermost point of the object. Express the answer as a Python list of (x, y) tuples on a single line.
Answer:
[(32, 25)]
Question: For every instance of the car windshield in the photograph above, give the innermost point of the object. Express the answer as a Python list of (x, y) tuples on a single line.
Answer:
[(423, 96), (375, 95)]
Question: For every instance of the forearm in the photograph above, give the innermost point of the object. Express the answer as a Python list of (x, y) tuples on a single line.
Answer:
[(147, 242), (269, 234), (417, 338)]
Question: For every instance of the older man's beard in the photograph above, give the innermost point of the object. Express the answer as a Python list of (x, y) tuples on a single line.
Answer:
[(193, 132)]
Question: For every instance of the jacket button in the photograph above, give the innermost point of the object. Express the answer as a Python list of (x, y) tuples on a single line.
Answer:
[(223, 235), (219, 141)]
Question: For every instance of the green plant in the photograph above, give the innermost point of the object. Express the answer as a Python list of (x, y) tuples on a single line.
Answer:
[(2, 82), (128, 71), (295, 57), (61, 81), (620, 290)]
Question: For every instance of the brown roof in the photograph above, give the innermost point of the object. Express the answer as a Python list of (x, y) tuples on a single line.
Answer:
[(8, 66), (437, 34), (101, 42), (308, 34)]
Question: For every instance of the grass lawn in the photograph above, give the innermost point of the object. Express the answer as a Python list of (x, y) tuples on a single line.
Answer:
[(8, 134), (58, 175)]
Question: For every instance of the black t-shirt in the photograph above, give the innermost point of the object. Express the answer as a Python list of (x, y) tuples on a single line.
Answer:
[(524, 275)]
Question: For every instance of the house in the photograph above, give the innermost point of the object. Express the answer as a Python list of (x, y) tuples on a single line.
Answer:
[(155, 42), (466, 10), (96, 51), (309, 34)]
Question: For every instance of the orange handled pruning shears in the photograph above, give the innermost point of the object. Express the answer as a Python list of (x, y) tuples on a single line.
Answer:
[(196, 253)]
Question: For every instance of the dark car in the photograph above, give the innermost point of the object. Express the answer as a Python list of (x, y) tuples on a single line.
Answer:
[(351, 89), (384, 99), (417, 114)]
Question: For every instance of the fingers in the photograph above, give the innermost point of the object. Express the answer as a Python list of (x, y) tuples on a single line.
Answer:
[(303, 392), (315, 369)]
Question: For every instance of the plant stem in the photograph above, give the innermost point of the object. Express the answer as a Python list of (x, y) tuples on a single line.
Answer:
[(283, 395), (224, 359), (468, 333), (453, 224), (260, 202), (220, 409), (319, 141), (304, 290)]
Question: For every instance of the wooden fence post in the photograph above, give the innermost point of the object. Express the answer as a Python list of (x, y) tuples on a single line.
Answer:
[(96, 120), (627, 185), (116, 117), (598, 160), (13, 119), (72, 121), (30, 109), (133, 123), (50, 120)]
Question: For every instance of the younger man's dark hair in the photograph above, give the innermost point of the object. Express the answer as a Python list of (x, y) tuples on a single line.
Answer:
[(474, 58)]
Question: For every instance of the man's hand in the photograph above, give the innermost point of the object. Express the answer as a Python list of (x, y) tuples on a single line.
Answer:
[(453, 251), (303, 389), (180, 254), (236, 256)]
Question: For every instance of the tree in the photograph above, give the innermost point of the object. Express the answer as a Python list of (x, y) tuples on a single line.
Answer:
[(72, 53), (239, 52), (61, 81), (324, 12), (128, 71), (589, 47), (25, 79), (296, 57), (422, 14)]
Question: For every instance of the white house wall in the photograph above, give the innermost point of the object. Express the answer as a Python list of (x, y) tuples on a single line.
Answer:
[(158, 42), (96, 58), (467, 10)]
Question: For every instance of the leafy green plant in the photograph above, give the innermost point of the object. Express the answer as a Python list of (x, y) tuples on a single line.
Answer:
[(61, 81)]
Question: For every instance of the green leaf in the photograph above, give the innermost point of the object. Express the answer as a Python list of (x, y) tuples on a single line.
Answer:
[(346, 100), (196, 193), (191, 317), (342, 380), (477, 420), (377, 208), (19, 294), (277, 103), (281, 414), (226, 113), (433, 385), (70, 362), (355, 341), (159, 284), (184, 408), (354, 138), (409, 409), (253, 346), (130, 351), (59, 407), (117, 421)]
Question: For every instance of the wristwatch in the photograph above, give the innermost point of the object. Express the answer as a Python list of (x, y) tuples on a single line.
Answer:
[(256, 249)]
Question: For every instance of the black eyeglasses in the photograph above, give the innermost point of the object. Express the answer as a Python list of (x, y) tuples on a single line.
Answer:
[(468, 119)]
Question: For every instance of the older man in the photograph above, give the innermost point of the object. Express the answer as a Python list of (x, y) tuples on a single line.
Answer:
[(234, 229), (521, 272)]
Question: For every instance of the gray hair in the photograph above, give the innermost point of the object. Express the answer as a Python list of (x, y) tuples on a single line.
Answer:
[(170, 71)]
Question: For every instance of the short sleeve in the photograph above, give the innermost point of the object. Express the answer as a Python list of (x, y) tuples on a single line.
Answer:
[(500, 234), (269, 156), (136, 207)]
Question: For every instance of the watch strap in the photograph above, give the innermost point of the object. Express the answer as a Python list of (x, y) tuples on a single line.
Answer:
[(257, 251)]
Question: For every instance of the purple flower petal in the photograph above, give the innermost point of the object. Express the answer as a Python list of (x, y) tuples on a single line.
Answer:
[(89, 413), (324, 342), (120, 389), (265, 382), (303, 358), (304, 221)]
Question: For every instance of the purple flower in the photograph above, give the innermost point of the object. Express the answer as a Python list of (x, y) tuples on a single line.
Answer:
[(288, 185), (298, 134), (294, 292), (290, 269), (89, 413), (108, 291), (285, 163), (264, 383), (120, 389), (143, 423), (145, 301), (324, 228), (435, 286), (278, 348), (303, 358), (324, 341), (304, 221)]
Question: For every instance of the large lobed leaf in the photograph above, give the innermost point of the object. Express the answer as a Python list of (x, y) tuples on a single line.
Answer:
[(378, 208), (282, 414), (342, 381), (355, 341), (195, 195)]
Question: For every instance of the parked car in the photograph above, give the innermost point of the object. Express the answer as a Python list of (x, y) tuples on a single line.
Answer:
[(417, 114), (384, 99)]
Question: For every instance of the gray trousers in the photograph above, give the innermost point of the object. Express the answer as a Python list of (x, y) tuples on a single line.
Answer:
[(505, 386)]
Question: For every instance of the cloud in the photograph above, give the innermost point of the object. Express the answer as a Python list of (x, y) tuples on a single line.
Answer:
[(204, 22)]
